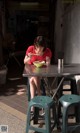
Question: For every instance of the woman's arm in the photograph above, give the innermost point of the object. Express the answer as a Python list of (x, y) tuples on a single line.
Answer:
[(26, 59), (28, 54)]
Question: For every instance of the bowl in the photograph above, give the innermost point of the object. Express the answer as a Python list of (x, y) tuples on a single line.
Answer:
[(39, 63)]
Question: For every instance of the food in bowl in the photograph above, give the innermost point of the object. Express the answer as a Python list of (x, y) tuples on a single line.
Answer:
[(39, 63)]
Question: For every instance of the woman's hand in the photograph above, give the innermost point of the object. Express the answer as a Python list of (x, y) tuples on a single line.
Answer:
[(47, 61), (30, 55)]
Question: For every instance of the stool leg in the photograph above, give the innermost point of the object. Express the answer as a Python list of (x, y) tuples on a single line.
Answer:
[(73, 86), (65, 120), (28, 119), (77, 113), (59, 115), (54, 115), (47, 120), (36, 114), (60, 92), (28, 88)]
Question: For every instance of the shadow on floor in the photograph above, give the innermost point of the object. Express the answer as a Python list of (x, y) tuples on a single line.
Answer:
[(14, 79), (14, 92)]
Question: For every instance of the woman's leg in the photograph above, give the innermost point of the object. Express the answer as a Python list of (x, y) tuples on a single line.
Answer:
[(32, 90), (34, 84), (37, 83), (32, 87)]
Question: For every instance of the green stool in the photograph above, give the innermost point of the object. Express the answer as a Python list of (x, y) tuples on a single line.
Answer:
[(67, 101), (46, 103)]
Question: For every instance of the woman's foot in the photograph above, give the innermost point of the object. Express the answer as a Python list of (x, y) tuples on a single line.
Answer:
[(32, 110), (42, 112)]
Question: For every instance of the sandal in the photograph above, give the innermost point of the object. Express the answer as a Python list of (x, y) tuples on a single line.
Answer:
[(32, 112)]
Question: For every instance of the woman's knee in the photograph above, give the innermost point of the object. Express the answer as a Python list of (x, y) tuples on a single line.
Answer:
[(31, 80)]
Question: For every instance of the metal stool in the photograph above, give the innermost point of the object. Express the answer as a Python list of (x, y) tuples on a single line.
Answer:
[(67, 101), (46, 103)]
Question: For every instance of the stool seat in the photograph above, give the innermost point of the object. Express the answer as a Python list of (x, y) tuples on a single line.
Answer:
[(41, 101), (67, 101), (46, 103)]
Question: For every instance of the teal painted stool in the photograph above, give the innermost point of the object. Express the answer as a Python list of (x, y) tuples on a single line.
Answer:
[(46, 103), (67, 101)]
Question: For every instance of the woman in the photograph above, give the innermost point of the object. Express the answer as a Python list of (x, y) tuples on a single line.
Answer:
[(37, 52)]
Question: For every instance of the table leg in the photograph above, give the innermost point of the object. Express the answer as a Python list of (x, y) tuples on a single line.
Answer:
[(36, 115), (58, 87)]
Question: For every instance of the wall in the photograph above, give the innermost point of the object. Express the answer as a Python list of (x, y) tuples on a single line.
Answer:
[(1, 37), (67, 31), (58, 29), (71, 34)]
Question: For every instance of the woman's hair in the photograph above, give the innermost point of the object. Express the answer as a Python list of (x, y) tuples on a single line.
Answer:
[(40, 41)]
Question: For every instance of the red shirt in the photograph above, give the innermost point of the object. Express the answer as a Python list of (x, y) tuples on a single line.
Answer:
[(46, 53)]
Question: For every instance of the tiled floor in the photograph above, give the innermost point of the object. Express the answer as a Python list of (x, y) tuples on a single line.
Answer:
[(13, 93)]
